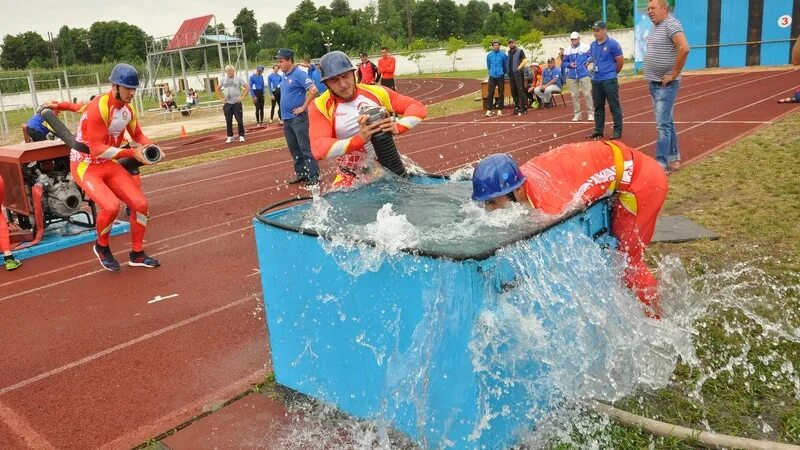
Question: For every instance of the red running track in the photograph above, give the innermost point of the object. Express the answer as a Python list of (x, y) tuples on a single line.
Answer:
[(428, 91), (92, 359)]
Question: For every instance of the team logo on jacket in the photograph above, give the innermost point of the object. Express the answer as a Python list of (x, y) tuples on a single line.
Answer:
[(125, 115)]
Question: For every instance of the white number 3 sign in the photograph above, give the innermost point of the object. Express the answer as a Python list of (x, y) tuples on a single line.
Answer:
[(784, 21)]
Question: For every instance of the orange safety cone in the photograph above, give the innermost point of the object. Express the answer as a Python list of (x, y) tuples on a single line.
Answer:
[(183, 132)]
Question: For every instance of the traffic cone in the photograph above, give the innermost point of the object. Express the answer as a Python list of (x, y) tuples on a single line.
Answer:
[(183, 132)]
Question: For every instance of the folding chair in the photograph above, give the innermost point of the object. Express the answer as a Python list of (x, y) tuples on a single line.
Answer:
[(553, 100)]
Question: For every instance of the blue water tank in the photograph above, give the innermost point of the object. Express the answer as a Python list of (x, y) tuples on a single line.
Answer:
[(393, 344)]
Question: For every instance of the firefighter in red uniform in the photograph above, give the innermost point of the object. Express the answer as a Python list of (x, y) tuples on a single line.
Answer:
[(94, 166), (576, 175), (9, 260), (338, 130)]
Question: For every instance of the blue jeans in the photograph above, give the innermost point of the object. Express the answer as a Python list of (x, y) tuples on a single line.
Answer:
[(667, 149), (296, 132)]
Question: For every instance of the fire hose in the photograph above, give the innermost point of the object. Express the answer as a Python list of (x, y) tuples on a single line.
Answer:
[(152, 153), (705, 438), (383, 142)]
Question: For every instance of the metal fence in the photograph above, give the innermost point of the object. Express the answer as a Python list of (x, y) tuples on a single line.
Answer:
[(14, 98)]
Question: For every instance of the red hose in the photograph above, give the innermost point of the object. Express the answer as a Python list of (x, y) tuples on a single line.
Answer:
[(37, 191)]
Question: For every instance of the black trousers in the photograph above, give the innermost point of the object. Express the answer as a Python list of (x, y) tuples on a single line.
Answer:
[(388, 83), (500, 84), (259, 104), (35, 134), (276, 100), (602, 91), (518, 92), (230, 110)]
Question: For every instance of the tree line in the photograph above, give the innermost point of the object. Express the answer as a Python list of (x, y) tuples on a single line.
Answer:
[(397, 24)]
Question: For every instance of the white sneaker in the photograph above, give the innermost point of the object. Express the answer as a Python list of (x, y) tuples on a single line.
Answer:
[(499, 113), (229, 140), (590, 118), (488, 113), (576, 118), (270, 121), (241, 138)]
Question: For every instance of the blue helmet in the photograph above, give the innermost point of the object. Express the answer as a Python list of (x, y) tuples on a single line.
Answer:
[(495, 176), (124, 75), (335, 63)]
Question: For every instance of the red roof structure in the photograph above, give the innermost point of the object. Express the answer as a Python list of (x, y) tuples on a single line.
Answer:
[(189, 33)]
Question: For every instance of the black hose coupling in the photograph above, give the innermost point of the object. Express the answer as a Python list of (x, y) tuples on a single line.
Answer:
[(383, 142), (152, 153)]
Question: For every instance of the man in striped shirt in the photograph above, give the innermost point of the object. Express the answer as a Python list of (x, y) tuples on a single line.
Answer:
[(667, 50)]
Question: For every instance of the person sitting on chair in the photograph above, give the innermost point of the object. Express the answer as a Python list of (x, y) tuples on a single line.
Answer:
[(191, 98), (167, 100), (551, 83), (536, 81)]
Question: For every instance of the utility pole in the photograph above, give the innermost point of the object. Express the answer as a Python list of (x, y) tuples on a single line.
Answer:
[(328, 38), (408, 21), (53, 51)]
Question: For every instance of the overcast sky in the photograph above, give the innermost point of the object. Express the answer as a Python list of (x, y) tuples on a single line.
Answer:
[(156, 17)]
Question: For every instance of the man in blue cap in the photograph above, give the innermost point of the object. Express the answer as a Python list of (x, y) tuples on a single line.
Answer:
[(257, 93), (297, 93), (607, 60)]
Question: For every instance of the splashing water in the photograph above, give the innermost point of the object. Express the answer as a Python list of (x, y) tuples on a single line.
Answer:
[(561, 328)]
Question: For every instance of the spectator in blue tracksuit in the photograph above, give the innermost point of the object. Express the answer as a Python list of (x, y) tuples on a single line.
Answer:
[(576, 58), (497, 63), (316, 76), (257, 93), (274, 87)]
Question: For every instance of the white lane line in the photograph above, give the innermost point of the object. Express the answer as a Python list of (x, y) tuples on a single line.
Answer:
[(121, 252), (716, 89), (67, 280), (255, 272), (439, 168), (124, 345), (159, 298), (170, 190), (713, 120)]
